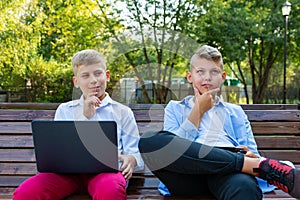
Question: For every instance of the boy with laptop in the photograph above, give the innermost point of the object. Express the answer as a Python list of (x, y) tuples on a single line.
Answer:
[(91, 76)]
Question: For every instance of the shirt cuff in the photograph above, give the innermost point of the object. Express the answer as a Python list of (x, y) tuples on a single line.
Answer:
[(188, 130), (139, 162)]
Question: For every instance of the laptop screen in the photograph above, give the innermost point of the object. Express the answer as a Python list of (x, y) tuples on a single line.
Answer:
[(75, 146)]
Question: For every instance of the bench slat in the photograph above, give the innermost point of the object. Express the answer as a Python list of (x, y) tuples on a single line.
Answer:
[(263, 142), (149, 116), (269, 106), (257, 127), (152, 115), (278, 142), (146, 126), (273, 115), (24, 128), (6, 194), (154, 194), (30, 105), (16, 141), (143, 183), (15, 128), (278, 127), (12, 181), (253, 115), (23, 155), (278, 195), (26, 115), (30, 168), (146, 192), (18, 169), (290, 155), (17, 155)]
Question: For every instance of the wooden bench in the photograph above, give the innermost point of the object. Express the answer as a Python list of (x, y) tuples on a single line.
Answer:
[(276, 129)]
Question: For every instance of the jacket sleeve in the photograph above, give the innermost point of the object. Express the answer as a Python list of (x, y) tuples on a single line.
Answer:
[(175, 122), (130, 136)]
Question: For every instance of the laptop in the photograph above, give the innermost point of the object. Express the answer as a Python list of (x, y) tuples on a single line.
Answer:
[(75, 146)]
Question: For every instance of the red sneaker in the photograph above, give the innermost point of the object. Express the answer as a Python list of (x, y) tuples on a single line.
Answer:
[(281, 175)]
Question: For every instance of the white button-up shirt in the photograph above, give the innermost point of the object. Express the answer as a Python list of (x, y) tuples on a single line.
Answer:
[(109, 110)]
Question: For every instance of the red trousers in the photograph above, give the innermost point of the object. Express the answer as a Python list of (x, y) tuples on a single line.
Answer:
[(44, 186)]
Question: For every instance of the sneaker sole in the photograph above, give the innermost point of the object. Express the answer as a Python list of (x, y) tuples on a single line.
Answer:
[(296, 190)]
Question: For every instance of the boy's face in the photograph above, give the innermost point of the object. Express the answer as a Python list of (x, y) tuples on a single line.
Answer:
[(206, 75), (92, 78)]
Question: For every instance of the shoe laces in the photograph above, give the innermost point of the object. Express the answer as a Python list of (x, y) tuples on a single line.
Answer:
[(278, 175)]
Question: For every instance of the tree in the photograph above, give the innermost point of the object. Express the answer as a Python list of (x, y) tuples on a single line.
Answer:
[(151, 40), (248, 31), (38, 38), (66, 27), (156, 42), (293, 70), (17, 44)]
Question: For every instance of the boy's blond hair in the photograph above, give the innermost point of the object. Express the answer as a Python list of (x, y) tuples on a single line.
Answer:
[(209, 53), (87, 57)]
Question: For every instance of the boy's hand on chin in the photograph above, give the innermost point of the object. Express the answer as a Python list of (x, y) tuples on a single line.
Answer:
[(91, 101), (206, 100)]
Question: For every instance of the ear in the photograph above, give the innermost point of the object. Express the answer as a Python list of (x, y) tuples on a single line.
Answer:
[(223, 76), (75, 82), (189, 77), (107, 75)]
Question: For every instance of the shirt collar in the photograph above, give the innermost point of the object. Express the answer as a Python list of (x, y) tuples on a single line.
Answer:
[(189, 101), (186, 100), (106, 101)]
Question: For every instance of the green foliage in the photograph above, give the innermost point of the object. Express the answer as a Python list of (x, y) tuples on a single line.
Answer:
[(49, 81), (38, 39), (250, 36), (156, 45), (67, 26), (149, 40)]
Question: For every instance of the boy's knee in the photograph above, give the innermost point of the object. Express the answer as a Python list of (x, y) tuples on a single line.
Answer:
[(108, 186), (24, 193), (145, 140), (242, 189), (112, 190), (245, 191)]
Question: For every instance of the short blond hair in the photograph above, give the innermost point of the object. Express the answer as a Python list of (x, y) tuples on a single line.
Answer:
[(87, 57), (209, 53)]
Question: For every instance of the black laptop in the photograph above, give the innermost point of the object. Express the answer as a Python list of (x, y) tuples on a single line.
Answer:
[(75, 146)]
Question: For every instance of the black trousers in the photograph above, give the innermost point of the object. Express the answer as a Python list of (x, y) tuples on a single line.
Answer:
[(191, 168)]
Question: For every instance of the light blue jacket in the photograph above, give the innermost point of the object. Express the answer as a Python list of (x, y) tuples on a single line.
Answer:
[(236, 128)]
